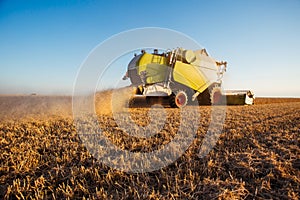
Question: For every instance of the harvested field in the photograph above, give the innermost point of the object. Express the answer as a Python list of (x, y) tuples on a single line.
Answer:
[(265, 100), (256, 157)]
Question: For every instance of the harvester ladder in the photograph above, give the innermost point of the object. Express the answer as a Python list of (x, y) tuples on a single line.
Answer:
[(171, 63)]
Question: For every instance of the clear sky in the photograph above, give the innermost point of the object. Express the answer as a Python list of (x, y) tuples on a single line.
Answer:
[(43, 43)]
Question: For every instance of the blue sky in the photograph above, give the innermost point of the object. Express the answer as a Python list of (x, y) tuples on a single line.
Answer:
[(43, 43)]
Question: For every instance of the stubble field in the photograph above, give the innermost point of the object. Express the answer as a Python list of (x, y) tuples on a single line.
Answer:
[(257, 155)]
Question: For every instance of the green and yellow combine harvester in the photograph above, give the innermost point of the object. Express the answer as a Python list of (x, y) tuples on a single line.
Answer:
[(178, 76)]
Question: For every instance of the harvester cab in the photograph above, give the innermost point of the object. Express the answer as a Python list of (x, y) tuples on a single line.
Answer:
[(180, 75)]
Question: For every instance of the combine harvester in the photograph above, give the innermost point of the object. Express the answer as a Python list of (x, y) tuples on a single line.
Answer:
[(177, 76)]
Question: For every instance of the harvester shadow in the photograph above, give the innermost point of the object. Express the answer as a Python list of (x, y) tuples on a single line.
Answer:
[(247, 158)]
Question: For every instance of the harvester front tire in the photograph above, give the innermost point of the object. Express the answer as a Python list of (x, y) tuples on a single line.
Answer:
[(216, 96), (179, 100)]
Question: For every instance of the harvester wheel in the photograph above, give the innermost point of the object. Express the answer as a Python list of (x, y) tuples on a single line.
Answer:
[(179, 100), (216, 96)]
